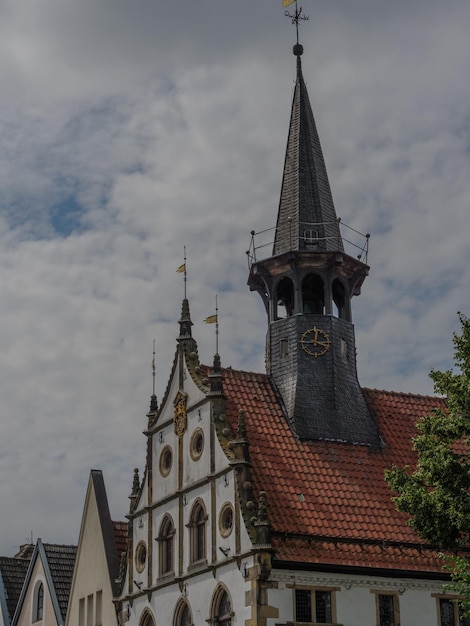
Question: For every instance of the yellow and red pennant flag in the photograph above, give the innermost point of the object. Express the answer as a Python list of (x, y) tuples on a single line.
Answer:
[(212, 319), (181, 268), (286, 3)]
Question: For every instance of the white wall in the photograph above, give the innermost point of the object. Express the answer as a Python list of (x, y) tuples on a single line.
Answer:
[(355, 601)]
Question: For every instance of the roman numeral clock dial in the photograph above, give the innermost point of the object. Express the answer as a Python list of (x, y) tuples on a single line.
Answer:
[(315, 342)]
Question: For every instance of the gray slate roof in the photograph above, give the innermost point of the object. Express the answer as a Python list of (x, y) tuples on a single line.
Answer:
[(306, 201), (58, 562), (114, 533), (13, 572), (61, 560)]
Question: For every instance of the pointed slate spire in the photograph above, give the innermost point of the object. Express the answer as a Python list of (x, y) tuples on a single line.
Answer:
[(306, 217), (307, 286)]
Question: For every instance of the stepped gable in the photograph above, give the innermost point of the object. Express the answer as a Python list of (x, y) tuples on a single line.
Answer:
[(328, 502)]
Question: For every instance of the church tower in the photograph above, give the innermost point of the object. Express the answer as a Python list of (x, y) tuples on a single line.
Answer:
[(307, 286)]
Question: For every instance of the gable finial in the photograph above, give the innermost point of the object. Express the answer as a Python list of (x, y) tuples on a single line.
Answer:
[(135, 482), (295, 18)]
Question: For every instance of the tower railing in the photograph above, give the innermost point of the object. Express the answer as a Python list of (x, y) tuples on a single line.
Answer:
[(354, 242)]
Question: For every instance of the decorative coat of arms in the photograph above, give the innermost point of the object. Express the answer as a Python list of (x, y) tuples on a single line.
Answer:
[(180, 416)]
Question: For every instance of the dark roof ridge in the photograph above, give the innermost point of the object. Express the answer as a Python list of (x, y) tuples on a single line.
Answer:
[(229, 368), (107, 529), (418, 545), (411, 394)]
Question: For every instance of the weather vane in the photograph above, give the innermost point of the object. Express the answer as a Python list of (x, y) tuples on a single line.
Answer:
[(295, 17)]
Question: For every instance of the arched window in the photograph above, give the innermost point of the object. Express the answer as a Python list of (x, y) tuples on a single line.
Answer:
[(197, 531), (339, 299), (38, 602), (183, 616), (285, 298), (147, 619), (166, 541), (313, 294), (222, 613)]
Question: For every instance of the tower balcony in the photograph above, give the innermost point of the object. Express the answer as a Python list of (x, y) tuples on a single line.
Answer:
[(309, 238)]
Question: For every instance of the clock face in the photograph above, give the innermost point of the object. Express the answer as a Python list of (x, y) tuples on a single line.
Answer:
[(315, 342)]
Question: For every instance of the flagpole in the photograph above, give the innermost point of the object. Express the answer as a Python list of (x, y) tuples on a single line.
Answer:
[(182, 269), (153, 369), (214, 319), (185, 274), (216, 327)]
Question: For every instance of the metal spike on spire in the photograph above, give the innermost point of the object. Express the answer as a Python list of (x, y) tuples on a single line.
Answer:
[(153, 399), (153, 369), (295, 17)]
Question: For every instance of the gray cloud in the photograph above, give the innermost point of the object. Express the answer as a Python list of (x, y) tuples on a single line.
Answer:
[(129, 130)]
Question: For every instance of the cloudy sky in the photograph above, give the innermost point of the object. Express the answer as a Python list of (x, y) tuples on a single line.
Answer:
[(130, 129)]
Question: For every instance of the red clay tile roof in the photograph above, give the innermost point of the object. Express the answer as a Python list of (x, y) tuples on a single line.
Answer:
[(120, 537), (328, 502)]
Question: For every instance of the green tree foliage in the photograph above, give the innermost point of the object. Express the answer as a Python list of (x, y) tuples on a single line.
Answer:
[(437, 492)]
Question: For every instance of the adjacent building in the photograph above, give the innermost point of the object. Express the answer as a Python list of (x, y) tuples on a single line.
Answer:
[(44, 595), (100, 547), (13, 571)]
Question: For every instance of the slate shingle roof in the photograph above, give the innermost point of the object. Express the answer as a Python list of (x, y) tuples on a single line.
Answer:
[(13, 571), (328, 502), (61, 561), (306, 201)]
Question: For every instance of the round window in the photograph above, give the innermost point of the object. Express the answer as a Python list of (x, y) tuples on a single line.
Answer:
[(140, 556), (197, 444), (226, 520), (166, 460)]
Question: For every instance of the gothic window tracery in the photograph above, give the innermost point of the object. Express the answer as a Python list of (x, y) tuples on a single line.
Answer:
[(183, 616), (197, 531), (166, 543), (222, 613), (147, 619)]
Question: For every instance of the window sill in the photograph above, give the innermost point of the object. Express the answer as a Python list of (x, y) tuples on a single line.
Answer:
[(314, 624), (202, 563)]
